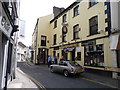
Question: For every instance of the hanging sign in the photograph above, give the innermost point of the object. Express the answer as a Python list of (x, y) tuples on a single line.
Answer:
[(64, 30), (5, 25)]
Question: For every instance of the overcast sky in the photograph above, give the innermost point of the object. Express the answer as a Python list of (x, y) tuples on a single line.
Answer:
[(32, 9)]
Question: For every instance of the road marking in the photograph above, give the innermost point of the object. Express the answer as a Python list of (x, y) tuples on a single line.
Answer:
[(34, 80), (101, 83)]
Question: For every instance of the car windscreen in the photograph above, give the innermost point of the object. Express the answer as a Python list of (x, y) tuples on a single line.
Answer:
[(74, 64)]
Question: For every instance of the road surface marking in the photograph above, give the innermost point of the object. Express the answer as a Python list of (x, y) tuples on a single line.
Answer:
[(38, 83), (101, 83)]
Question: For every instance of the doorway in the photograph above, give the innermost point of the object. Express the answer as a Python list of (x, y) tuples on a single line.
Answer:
[(118, 60), (42, 55), (73, 55)]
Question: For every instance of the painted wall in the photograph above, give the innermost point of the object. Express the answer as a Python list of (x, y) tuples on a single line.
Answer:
[(43, 28), (83, 20)]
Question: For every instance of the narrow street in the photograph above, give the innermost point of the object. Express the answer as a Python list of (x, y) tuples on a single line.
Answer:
[(42, 74)]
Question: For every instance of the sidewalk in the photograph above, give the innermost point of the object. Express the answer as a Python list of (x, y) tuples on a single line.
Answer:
[(21, 81)]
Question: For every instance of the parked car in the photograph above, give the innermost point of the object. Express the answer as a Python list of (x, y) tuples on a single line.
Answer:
[(67, 68)]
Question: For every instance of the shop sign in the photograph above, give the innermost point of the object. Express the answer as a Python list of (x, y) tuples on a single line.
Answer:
[(89, 43), (5, 25), (79, 49), (71, 45), (69, 49)]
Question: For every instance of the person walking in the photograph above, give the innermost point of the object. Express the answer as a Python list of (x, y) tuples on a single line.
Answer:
[(49, 60), (55, 60)]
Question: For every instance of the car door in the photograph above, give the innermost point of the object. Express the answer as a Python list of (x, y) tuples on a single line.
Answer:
[(63, 66), (56, 67)]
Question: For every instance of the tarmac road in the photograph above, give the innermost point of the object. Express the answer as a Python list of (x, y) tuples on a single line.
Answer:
[(42, 76)]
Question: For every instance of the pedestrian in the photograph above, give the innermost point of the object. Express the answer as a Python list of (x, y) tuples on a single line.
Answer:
[(49, 60), (55, 60)]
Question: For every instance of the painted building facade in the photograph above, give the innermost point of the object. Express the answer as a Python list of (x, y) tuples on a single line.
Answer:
[(84, 35), (21, 50), (41, 41), (81, 33)]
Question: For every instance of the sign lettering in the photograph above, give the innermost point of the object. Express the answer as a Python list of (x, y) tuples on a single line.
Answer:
[(4, 23)]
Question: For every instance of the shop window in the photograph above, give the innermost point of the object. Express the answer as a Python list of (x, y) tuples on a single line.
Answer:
[(55, 38), (54, 53), (76, 11), (92, 2), (64, 18), (99, 47), (93, 25), (43, 40), (76, 32), (65, 55), (55, 24), (79, 56), (94, 56)]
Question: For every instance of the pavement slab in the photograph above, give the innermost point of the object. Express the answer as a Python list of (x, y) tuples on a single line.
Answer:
[(21, 81)]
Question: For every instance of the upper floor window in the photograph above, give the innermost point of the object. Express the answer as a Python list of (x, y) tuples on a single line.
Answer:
[(64, 18), (76, 11), (76, 31), (55, 38), (55, 24), (92, 2), (63, 37), (64, 32), (93, 25), (43, 40)]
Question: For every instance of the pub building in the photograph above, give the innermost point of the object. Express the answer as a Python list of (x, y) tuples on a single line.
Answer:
[(7, 43)]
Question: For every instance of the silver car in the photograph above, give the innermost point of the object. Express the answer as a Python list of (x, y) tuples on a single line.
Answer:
[(67, 68)]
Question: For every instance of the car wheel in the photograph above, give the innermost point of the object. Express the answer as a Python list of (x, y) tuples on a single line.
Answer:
[(51, 69), (66, 73)]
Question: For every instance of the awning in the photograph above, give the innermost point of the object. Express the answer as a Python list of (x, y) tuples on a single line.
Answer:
[(118, 45), (115, 42)]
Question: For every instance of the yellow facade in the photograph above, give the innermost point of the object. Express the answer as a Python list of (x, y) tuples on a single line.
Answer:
[(46, 27), (42, 29), (85, 13)]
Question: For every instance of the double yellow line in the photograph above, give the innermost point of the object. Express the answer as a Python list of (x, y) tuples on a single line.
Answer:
[(38, 83), (111, 86)]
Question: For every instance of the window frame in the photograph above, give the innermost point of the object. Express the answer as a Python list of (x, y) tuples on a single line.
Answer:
[(93, 25), (64, 18), (43, 40), (54, 39), (75, 32), (76, 11), (55, 24), (92, 3)]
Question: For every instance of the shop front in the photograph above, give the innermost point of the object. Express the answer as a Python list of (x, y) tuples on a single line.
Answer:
[(6, 48), (93, 54), (69, 52)]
